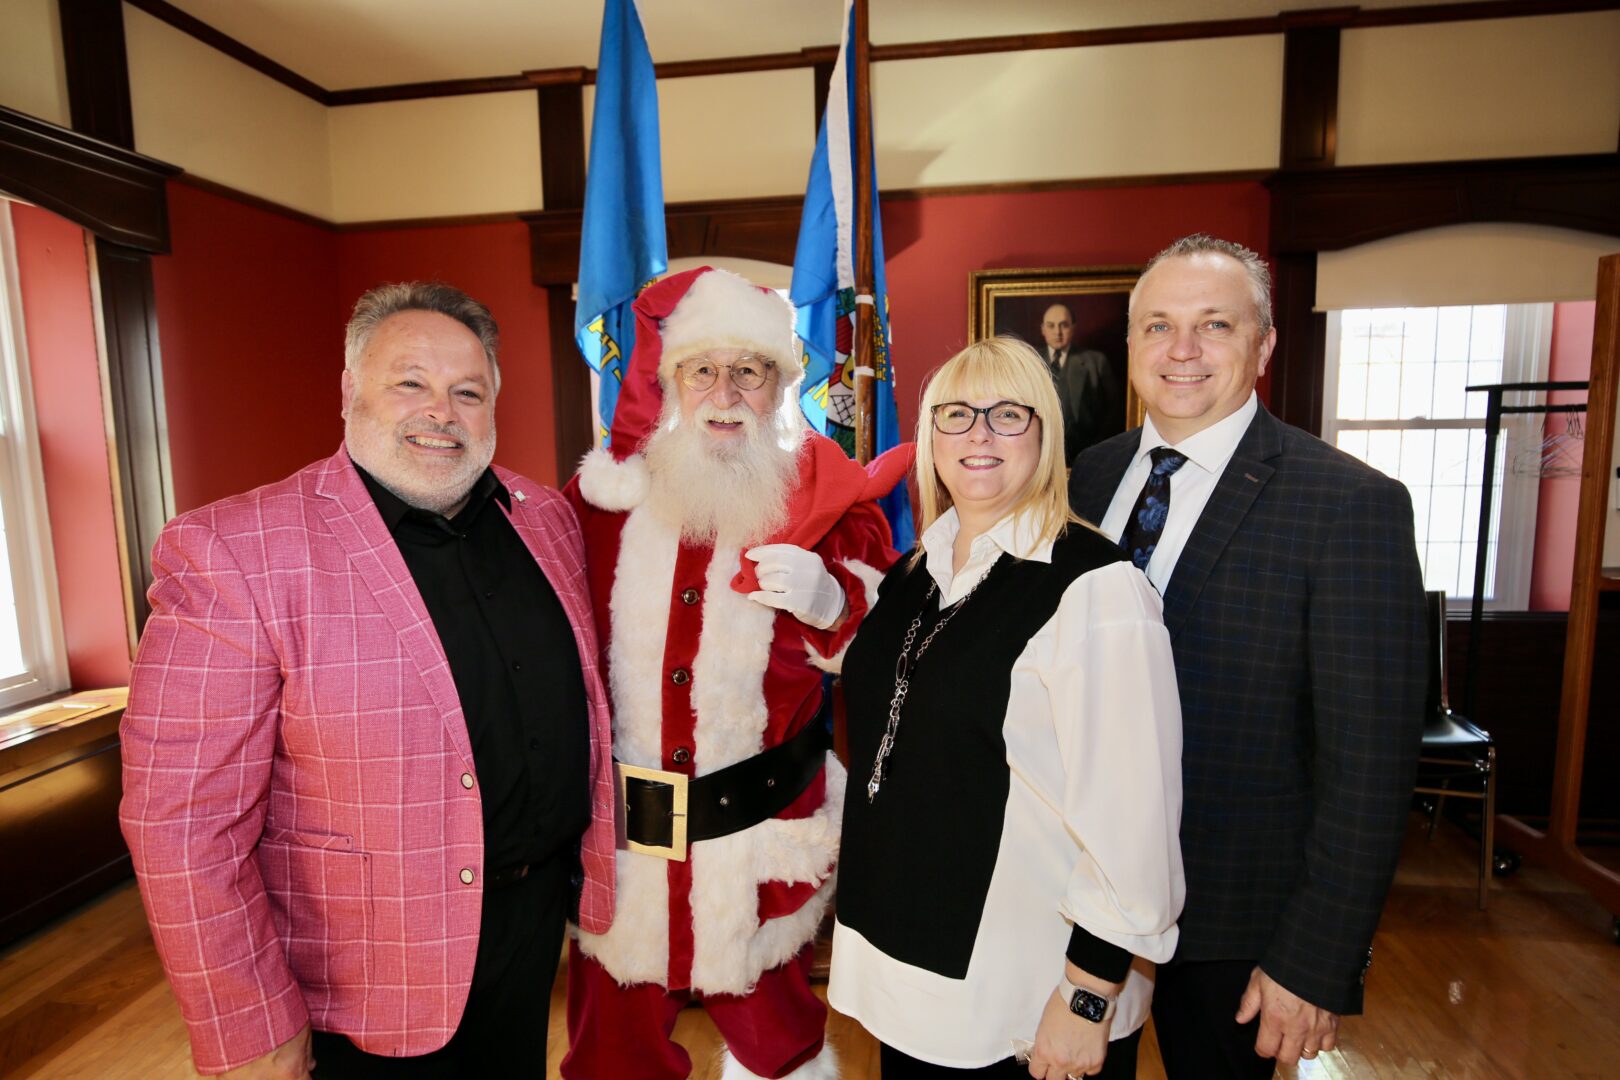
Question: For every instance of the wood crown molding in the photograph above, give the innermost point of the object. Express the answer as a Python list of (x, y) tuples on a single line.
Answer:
[(1331, 209), (117, 194), (1341, 17)]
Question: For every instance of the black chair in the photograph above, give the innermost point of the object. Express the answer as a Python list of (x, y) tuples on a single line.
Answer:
[(1458, 758)]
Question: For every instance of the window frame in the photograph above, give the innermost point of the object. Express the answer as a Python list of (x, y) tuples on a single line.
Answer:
[(22, 502), (1526, 353)]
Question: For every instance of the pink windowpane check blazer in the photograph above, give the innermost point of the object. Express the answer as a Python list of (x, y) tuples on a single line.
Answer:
[(299, 791)]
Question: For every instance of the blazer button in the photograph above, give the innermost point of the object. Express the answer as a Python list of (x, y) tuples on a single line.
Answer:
[(680, 676), (466, 875), (467, 780), (689, 596), (681, 755)]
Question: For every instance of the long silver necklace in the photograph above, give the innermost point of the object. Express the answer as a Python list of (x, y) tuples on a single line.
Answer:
[(903, 668)]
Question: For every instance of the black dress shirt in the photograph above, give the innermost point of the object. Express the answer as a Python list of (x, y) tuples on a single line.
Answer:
[(515, 664)]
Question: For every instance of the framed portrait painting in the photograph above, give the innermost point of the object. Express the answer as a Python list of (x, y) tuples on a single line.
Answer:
[(1075, 317)]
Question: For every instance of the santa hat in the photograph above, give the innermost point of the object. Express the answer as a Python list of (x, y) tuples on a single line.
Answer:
[(681, 316)]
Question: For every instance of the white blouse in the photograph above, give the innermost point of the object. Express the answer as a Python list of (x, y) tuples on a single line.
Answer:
[(1090, 836)]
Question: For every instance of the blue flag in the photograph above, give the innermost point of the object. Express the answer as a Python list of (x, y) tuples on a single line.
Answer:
[(823, 288), (621, 243)]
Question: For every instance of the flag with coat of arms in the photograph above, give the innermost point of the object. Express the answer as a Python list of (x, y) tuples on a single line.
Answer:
[(823, 288), (621, 244)]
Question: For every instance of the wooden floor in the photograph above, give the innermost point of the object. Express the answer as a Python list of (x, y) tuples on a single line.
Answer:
[(1530, 989)]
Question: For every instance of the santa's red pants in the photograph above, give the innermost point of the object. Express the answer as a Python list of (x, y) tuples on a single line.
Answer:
[(616, 1032)]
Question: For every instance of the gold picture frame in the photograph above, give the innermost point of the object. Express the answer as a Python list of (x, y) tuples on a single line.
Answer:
[(1015, 301)]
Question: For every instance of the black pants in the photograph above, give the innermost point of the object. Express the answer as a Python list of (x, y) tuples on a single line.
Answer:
[(503, 1030), (1119, 1065), (1193, 1009)]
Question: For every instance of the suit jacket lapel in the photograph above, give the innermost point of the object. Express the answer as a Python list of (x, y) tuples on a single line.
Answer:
[(1092, 488), (358, 527), (1245, 476)]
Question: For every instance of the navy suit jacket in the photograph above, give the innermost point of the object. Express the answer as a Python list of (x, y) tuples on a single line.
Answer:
[(1296, 615)]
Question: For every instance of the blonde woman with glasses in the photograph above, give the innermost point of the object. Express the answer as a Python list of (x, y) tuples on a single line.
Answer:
[(1010, 865)]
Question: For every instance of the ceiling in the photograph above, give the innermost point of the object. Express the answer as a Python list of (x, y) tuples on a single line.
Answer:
[(342, 44)]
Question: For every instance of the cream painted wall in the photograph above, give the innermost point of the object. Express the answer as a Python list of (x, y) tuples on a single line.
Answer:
[(1463, 264), (733, 136), (32, 77), (218, 119), (1121, 110), (1496, 88), (437, 157)]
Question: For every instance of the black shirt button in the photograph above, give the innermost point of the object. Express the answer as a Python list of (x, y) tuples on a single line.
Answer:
[(681, 755), (534, 744), (489, 595), (689, 596), (680, 676)]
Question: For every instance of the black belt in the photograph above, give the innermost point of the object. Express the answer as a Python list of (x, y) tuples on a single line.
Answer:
[(666, 811)]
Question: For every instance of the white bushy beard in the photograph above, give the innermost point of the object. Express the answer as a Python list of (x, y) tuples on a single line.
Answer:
[(422, 483), (723, 493)]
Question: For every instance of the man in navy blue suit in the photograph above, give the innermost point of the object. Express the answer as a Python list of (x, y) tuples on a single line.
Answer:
[(1294, 602)]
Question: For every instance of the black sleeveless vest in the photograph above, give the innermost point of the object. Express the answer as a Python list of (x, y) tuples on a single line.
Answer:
[(915, 865)]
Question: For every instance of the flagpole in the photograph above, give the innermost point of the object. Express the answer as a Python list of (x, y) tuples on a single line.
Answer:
[(865, 414)]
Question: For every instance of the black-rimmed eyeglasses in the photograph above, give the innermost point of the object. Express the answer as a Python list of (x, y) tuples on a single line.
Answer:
[(748, 373), (1004, 417)]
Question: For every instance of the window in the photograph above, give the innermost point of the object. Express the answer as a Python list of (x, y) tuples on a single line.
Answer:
[(32, 654), (1397, 398)]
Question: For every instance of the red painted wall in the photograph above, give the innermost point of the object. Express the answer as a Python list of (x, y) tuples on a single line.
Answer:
[(490, 263), (947, 236), (1554, 558), (66, 372), (250, 324)]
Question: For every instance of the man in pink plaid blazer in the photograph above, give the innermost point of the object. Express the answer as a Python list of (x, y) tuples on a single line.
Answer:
[(367, 772)]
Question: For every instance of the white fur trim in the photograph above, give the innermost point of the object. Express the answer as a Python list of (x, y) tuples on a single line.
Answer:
[(724, 311), (613, 485), (824, 1066), (636, 948), (870, 578), (728, 673)]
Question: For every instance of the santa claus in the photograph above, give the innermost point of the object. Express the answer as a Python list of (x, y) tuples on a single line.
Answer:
[(731, 555)]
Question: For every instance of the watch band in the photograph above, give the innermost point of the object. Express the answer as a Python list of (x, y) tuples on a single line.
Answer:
[(1087, 1004)]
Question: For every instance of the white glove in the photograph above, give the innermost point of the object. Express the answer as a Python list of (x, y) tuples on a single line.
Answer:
[(796, 581)]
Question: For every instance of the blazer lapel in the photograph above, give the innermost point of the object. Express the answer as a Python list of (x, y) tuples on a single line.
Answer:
[(1092, 486), (358, 527), (1245, 476)]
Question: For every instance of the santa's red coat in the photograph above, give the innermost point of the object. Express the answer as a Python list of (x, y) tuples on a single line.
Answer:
[(745, 903)]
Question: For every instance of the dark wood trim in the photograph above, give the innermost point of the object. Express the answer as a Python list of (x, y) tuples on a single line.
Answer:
[(225, 191), (135, 391), (562, 180), (823, 73), (809, 57), (504, 217), (1297, 362), (97, 68), (232, 48), (1027, 187), (114, 193), (1310, 118), (1327, 210)]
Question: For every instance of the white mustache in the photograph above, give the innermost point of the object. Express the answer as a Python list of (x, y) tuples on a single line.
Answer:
[(443, 431), (737, 414)]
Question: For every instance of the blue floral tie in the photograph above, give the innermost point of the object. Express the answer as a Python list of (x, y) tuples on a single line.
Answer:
[(1152, 509)]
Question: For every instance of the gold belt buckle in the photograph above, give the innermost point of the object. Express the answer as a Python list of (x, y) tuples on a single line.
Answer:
[(675, 850)]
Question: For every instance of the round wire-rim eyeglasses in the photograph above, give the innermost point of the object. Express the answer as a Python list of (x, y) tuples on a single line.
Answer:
[(1003, 418), (748, 373)]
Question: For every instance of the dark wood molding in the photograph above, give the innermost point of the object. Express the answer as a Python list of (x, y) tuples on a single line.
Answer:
[(114, 193), (232, 48), (823, 73), (810, 57), (562, 189), (1296, 364), (1310, 117), (135, 391), (1328, 210), (97, 65), (1090, 183)]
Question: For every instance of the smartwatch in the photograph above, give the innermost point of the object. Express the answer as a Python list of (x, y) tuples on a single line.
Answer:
[(1086, 1004)]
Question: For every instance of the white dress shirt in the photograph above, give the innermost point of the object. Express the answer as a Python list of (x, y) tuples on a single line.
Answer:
[(1091, 829), (1190, 486)]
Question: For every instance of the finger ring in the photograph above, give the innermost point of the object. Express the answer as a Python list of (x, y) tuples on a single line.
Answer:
[(1309, 1053)]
